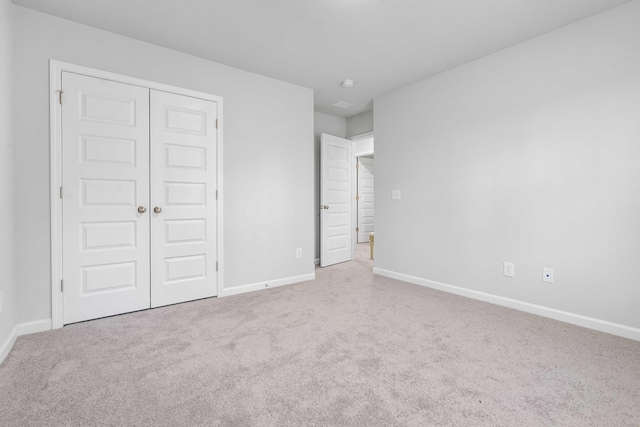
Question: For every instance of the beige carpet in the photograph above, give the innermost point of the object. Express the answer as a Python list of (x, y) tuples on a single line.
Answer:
[(347, 349)]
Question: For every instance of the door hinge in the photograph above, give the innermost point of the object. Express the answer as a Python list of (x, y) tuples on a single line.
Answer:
[(61, 285), (357, 166), (61, 192), (216, 265), (357, 198), (357, 229), (216, 123), (216, 194), (60, 96)]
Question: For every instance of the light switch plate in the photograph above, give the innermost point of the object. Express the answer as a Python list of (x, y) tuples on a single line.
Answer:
[(395, 194)]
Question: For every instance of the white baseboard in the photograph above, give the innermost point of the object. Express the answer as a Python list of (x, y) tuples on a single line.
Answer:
[(267, 284), (23, 329), (33, 327), (7, 345), (575, 319)]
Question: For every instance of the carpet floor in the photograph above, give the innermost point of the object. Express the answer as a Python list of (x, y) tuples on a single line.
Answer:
[(348, 349)]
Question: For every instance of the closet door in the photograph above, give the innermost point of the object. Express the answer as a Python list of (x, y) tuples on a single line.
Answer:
[(105, 197), (183, 198)]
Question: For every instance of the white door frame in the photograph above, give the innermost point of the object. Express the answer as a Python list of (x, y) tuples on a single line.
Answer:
[(55, 135), (354, 186)]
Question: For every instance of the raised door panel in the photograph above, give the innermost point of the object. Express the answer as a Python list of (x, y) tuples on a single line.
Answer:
[(183, 174), (336, 195), (105, 151)]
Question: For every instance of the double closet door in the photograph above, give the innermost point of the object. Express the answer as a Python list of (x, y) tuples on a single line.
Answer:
[(138, 198)]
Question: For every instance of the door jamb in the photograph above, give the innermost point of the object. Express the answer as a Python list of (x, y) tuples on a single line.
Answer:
[(55, 179)]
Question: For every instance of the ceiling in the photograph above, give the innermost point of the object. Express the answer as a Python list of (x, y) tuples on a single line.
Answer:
[(381, 44)]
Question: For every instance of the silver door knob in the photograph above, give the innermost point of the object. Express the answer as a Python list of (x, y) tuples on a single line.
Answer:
[(157, 209), (326, 207), (142, 209)]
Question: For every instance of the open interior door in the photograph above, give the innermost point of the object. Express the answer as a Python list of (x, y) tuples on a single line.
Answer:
[(336, 199)]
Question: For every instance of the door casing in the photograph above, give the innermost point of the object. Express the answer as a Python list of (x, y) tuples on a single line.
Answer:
[(55, 131)]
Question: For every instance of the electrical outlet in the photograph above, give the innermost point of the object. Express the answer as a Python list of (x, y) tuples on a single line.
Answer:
[(395, 194), (547, 275), (509, 269), (299, 253)]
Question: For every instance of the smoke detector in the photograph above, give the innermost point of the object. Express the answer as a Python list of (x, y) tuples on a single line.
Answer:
[(347, 83)]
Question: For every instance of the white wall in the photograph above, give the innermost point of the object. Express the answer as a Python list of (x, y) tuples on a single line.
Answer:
[(268, 151), (530, 155), (359, 124), (363, 147), (8, 287), (336, 126)]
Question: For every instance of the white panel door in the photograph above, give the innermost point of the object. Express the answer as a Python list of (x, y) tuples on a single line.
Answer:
[(105, 178), (336, 200), (365, 199), (183, 198)]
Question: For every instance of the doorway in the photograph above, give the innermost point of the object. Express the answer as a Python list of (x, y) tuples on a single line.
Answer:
[(364, 198), (363, 188), (341, 213)]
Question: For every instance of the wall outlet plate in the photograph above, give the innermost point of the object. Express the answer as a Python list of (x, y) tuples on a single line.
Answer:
[(299, 253), (509, 269), (547, 275)]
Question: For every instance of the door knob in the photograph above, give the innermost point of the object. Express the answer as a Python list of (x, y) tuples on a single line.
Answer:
[(142, 209), (326, 206), (157, 209)]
